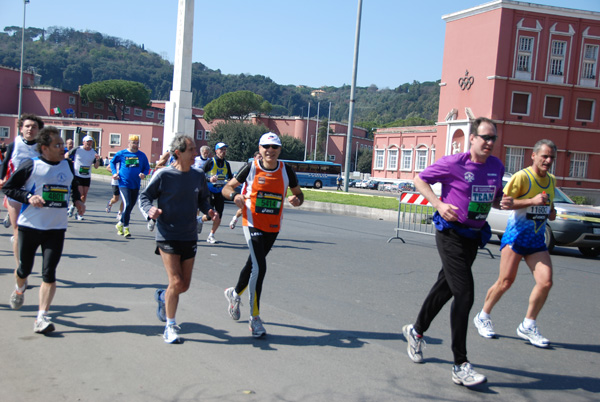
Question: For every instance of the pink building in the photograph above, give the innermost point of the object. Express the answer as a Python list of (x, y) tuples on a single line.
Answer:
[(76, 118), (533, 69)]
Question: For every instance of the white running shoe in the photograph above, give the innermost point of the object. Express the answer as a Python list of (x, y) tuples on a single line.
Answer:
[(108, 207), (465, 375), (6, 221), (533, 336), (71, 211), (171, 334), (234, 303), (233, 222), (17, 299), (256, 327), (416, 344), (79, 217), (43, 325), (484, 327), (151, 224), (211, 239)]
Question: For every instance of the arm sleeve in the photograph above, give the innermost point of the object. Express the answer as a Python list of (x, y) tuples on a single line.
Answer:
[(292, 176), (13, 188), (208, 166), (229, 172), (150, 193), (7, 158), (113, 163), (146, 167), (72, 154), (242, 175)]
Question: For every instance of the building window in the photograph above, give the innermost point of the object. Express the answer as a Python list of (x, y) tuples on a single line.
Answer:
[(590, 56), (557, 57), (4, 132), (514, 159), (379, 153), (524, 55), (115, 139), (331, 158), (406, 160), (99, 105), (553, 107), (85, 115), (206, 135), (392, 159), (71, 100), (127, 110), (585, 110), (421, 159), (84, 102), (138, 112), (149, 114), (111, 118), (161, 116), (520, 103), (578, 165), (98, 116), (199, 134)]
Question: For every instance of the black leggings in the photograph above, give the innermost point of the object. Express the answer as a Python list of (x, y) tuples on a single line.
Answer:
[(454, 280), (253, 273), (52, 242)]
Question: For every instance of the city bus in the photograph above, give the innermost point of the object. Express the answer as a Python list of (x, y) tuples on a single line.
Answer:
[(315, 173)]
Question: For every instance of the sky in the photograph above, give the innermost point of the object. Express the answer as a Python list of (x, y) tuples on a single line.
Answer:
[(309, 42)]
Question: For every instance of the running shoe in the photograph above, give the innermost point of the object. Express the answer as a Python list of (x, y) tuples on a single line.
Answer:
[(119, 227), (6, 221), (17, 299), (126, 232), (200, 224), (108, 207), (256, 327), (485, 327), (171, 334), (234, 303), (151, 224), (416, 344), (211, 239), (71, 210), (43, 326), (79, 217), (465, 375), (160, 310), (533, 336), (233, 222)]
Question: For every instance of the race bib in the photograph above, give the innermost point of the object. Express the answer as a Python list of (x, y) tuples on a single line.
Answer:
[(538, 212), (268, 203), (481, 202), (132, 161), (84, 170), (55, 196)]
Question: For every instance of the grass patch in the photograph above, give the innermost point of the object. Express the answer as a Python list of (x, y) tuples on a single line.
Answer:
[(361, 200)]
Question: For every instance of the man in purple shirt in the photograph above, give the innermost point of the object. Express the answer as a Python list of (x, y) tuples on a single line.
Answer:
[(471, 185)]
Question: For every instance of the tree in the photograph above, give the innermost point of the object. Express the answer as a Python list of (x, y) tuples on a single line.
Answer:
[(235, 106), (118, 93), (365, 160), (291, 148), (241, 139)]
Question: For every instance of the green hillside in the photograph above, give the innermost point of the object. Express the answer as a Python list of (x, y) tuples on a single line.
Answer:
[(66, 58)]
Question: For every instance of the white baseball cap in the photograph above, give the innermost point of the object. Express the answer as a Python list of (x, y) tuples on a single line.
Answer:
[(220, 145), (269, 139), (88, 138)]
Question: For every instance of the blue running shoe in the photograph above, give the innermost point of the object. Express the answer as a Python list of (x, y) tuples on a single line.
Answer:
[(160, 310)]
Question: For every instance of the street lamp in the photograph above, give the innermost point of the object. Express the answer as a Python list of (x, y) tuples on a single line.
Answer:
[(356, 158), (25, 2)]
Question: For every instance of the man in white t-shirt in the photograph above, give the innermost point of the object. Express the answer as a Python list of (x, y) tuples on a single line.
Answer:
[(84, 157)]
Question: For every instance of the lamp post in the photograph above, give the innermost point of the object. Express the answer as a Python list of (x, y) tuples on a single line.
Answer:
[(356, 158), (22, 52)]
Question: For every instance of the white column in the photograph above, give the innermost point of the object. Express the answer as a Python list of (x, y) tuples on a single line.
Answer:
[(178, 111)]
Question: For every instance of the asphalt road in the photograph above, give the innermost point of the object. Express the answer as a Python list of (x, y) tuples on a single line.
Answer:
[(335, 298)]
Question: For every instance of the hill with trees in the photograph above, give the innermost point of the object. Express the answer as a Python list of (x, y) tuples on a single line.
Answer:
[(67, 59)]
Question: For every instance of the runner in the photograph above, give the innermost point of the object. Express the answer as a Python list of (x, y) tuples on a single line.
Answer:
[(201, 159), (42, 185), (83, 157), (218, 171), (533, 191), (23, 148), (180, 191), (471, 182), (266, 182), (133, 167), (114, 183)]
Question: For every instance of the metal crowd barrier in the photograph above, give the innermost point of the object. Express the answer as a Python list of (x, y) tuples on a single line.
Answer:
[(415, 214)]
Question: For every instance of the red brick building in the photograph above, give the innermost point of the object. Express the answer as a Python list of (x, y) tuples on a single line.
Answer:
[(534, 70)]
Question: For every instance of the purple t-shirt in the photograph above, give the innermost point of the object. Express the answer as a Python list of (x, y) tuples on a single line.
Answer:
[(470, 186)]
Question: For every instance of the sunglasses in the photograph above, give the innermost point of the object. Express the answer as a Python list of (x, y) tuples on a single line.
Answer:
[(270, 146), (488, 138)]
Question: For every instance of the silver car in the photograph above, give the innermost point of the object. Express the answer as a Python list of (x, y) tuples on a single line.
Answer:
[(574, 226)]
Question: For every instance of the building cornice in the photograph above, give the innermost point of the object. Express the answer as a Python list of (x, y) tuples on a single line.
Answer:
[(522, 6)]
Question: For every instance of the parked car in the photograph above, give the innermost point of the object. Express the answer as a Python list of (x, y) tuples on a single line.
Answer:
[(574, 226), (352, 182), (372, 184), (405, 186)]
